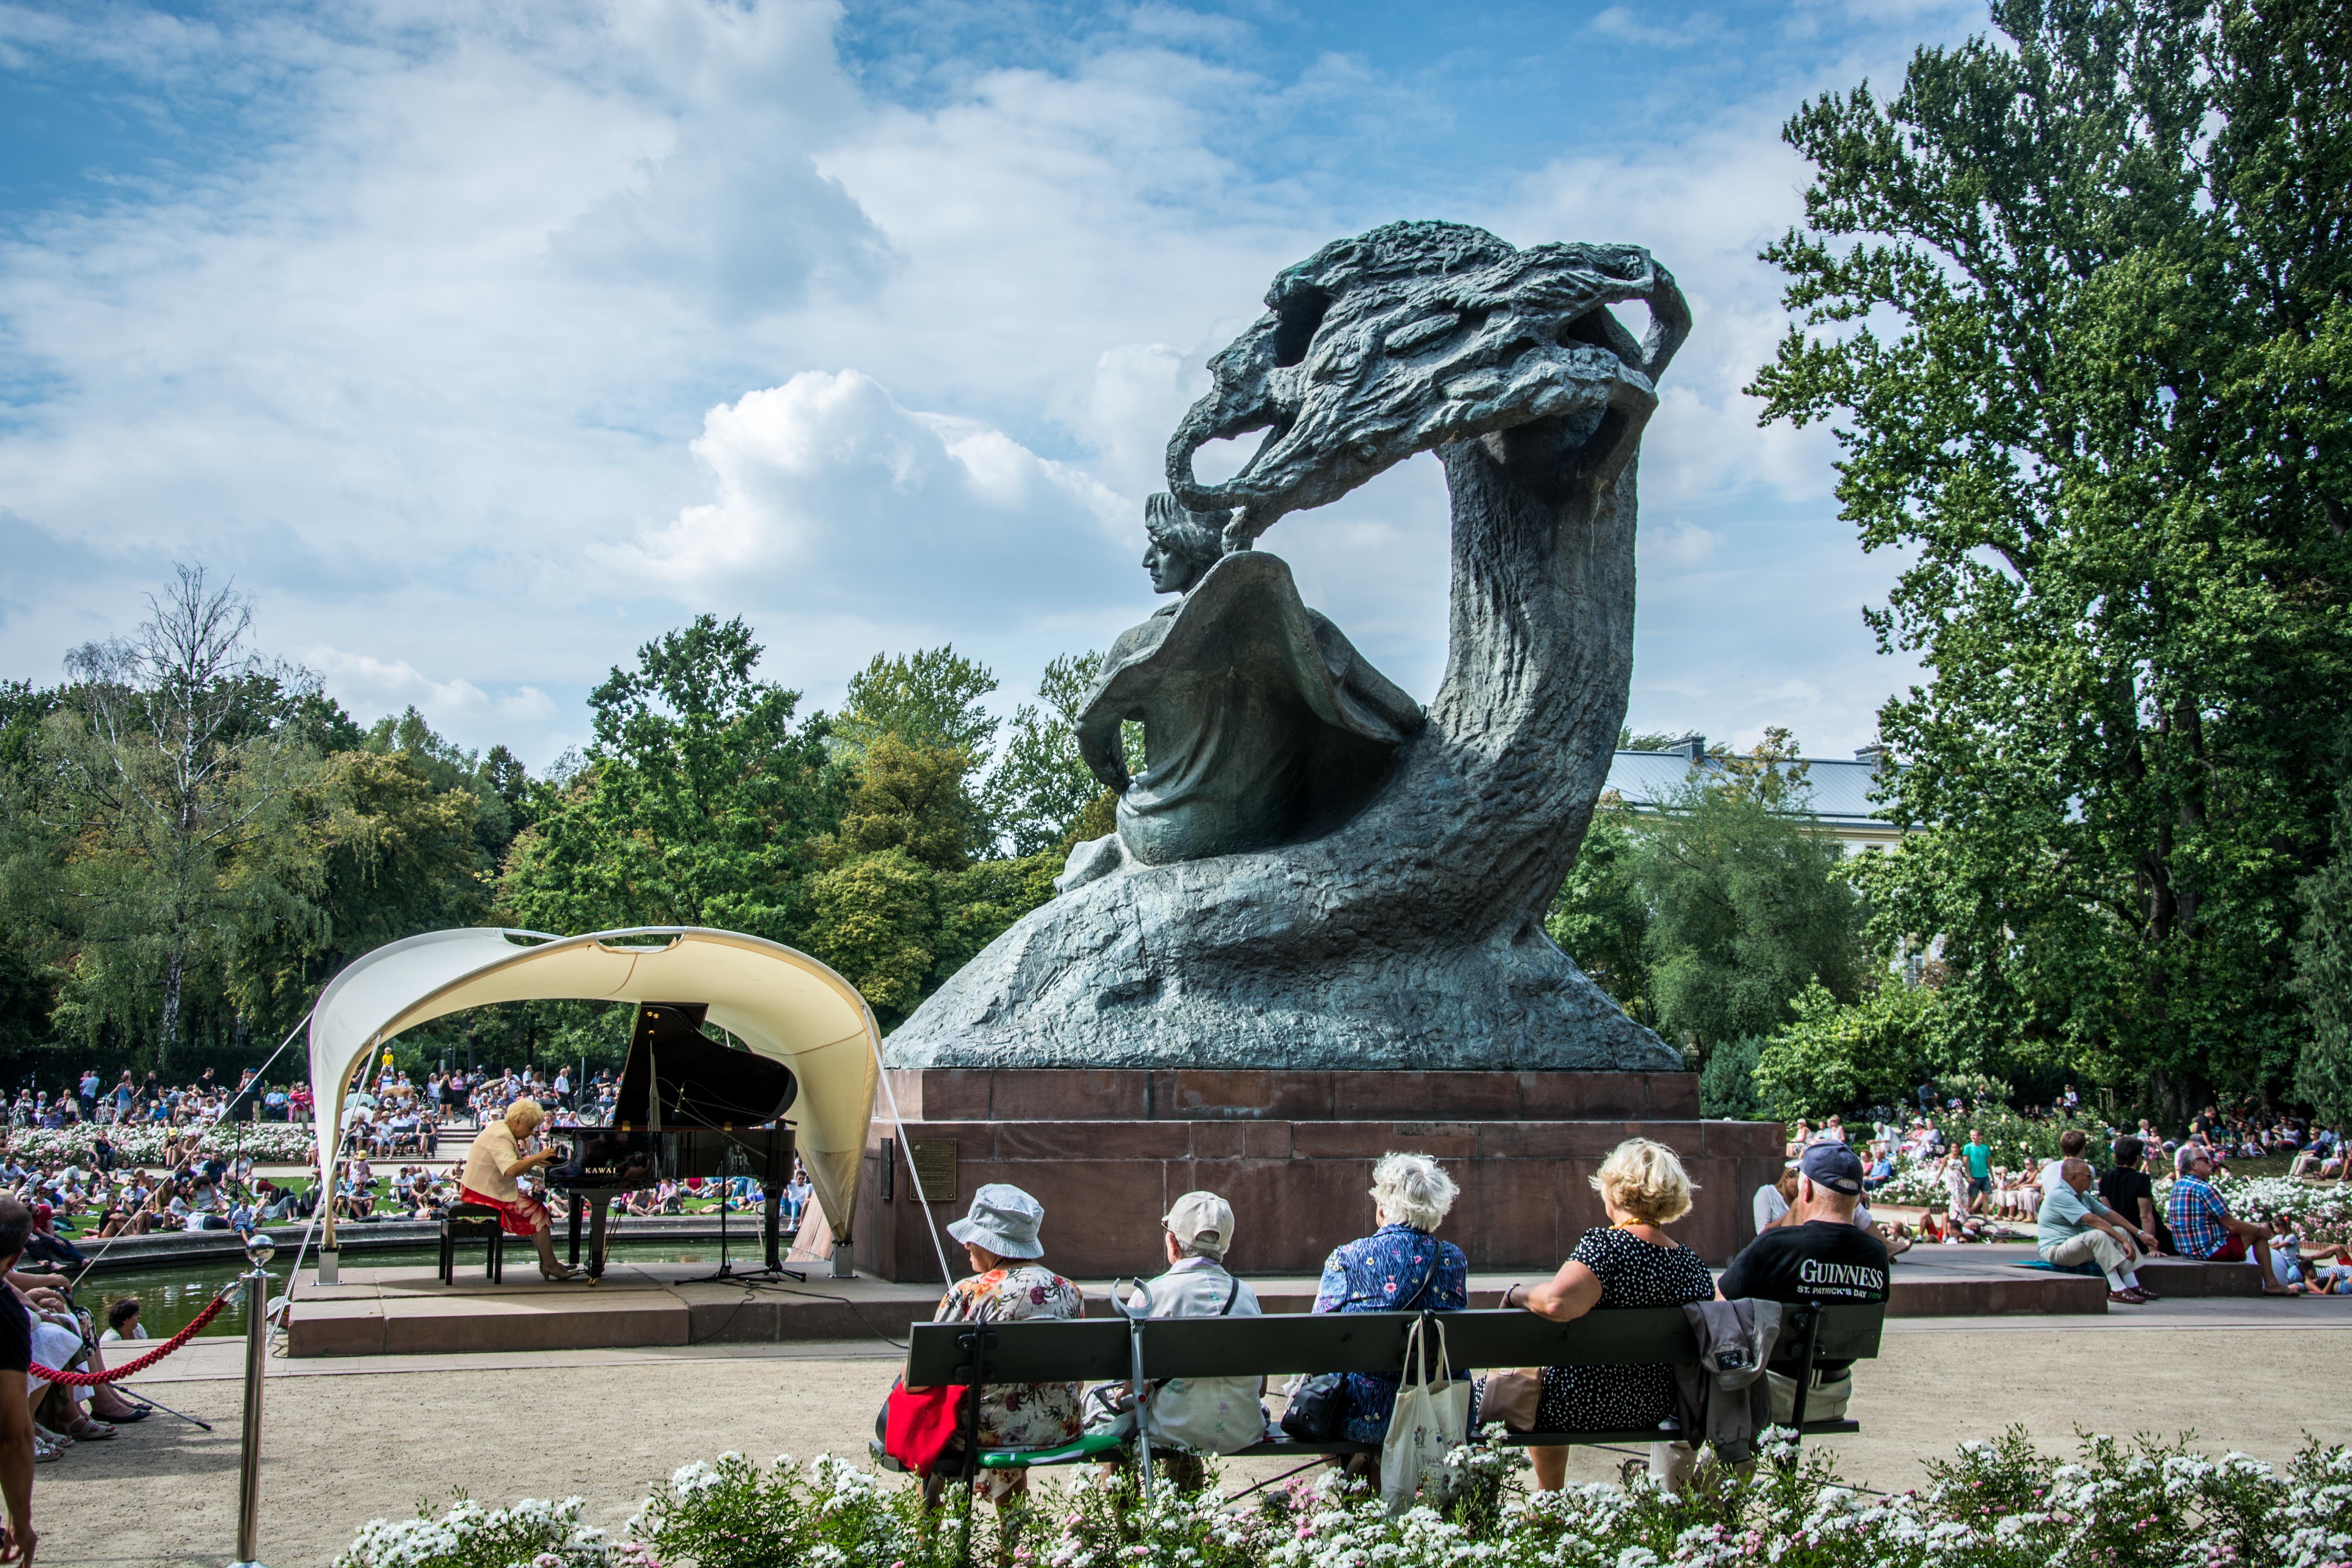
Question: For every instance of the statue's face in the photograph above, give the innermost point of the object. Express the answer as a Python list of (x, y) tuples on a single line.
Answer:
[(1170, 572)]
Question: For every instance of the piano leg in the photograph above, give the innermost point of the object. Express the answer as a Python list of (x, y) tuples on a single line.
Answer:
[(596, 1238), (574, 1204), (772, 1210)]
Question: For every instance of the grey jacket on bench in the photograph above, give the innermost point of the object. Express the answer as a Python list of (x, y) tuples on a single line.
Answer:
[(1722, 1398)]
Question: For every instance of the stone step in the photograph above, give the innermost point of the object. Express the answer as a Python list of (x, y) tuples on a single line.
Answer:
[(408, 1312)]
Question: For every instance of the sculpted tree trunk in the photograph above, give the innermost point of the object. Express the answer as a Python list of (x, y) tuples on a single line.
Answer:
[(1412, 935)]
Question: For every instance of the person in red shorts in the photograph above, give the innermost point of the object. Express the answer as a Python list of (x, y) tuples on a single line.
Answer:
[(2203, 1226), (496, 1159)]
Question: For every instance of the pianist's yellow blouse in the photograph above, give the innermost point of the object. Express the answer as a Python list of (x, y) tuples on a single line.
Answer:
[(486, 1166)]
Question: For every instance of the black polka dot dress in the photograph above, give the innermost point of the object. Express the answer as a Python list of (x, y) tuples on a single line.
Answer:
[(1633, 1274)]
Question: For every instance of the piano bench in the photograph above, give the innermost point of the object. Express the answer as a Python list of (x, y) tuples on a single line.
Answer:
[(469, 1222)]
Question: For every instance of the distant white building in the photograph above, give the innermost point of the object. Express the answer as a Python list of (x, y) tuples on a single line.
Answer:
[(1840, 804)]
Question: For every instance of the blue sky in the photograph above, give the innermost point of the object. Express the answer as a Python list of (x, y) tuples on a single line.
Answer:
[(481, 342)]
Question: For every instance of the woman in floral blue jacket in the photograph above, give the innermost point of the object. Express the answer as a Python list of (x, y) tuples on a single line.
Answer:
[(1399, 1268)]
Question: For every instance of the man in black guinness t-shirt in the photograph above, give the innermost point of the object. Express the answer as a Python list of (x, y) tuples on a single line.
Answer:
[(15, 1392), (1816, 1254)]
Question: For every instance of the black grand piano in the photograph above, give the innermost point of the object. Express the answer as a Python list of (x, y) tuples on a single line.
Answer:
[(688, 1106)]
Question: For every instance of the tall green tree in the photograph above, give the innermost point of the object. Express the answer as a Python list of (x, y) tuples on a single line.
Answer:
[(1707, 917), (176, 767), (2077, 303), (1748, 903), (380, 851), (928, 697), (2322, 977), (698, 801)]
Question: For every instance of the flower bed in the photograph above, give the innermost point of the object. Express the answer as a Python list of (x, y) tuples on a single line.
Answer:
[(1995, 1505), (142, 1143)]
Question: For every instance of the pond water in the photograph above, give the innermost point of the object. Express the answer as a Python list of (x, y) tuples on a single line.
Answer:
[(170, 1296)]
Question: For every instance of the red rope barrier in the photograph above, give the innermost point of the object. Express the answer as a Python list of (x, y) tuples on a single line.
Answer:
[(92, 1379)]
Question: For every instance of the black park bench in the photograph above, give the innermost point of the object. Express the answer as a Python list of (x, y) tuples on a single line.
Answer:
[(1106, 1349)]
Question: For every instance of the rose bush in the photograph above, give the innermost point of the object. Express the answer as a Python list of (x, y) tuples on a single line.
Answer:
[(2001, 1504)]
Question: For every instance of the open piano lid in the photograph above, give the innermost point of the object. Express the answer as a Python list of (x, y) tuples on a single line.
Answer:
[(704, 1082)]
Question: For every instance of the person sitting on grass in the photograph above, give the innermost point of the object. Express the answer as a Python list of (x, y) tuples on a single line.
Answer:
[(2203, 1226), (2075, 1228)]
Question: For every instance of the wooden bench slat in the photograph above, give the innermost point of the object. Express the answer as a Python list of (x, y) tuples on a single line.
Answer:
[(1097, 1348)]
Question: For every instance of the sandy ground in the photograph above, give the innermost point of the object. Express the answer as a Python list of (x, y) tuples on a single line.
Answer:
[(350, 1440)]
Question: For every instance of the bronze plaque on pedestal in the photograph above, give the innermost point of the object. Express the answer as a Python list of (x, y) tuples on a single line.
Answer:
[(935, 1168)]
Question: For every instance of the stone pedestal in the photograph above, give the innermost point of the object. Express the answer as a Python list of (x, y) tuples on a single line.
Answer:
[(1106, 1152)]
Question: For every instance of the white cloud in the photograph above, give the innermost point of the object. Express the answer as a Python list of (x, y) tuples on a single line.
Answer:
[(367, 685), (829, 489), (1620, 22), (1684, 543), (512, 334)]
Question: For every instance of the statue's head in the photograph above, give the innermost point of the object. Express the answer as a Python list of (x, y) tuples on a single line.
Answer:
[(1418, 334), (1183, 544)]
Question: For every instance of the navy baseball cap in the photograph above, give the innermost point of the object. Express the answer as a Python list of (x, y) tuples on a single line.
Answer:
[(1833, 1165)]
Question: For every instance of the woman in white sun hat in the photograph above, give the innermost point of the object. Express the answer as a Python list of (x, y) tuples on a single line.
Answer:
[(1007, 1285)]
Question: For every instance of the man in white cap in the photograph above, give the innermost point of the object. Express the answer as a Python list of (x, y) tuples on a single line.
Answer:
[(1187, 1417)]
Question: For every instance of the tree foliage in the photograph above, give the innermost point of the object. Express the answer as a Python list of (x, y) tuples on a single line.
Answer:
[(1708, 916), (2078, 302), (1601, 917), (697, 803), (2322, 977), (1833, 1057), (1041, 785), (174, 772)]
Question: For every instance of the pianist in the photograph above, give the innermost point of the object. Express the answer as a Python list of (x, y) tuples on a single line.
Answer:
[(496, 1159)]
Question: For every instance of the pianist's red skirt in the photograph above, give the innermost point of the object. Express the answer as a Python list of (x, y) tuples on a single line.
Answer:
[(522, 1217)]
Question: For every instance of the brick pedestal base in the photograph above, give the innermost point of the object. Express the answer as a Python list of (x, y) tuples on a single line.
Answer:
[(1106, 1152)]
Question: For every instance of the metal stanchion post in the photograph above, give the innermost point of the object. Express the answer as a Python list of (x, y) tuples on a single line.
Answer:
[(257, 1252)]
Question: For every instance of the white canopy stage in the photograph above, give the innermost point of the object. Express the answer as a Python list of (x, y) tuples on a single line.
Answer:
[(783, 1004)]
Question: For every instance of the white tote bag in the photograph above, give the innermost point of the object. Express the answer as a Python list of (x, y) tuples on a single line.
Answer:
[(1431, 1420)]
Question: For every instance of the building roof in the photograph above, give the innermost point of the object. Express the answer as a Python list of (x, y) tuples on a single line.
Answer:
[(1839, 787)]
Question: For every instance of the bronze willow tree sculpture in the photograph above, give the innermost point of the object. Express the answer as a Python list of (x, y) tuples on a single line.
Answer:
[(1388, 910)]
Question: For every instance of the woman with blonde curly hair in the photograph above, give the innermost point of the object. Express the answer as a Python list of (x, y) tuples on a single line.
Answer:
[(1644, 1189)]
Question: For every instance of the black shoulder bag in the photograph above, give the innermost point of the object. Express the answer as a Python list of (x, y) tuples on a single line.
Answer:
[(1316, 1411)]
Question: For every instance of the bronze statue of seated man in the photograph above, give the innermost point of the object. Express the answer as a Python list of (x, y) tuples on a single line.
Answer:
[(1263, 725)]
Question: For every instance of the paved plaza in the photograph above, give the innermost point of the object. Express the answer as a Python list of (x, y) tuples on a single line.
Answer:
[(350, 1439)]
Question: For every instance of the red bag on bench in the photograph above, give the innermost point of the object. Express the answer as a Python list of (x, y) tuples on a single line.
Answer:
[(916, 1428)]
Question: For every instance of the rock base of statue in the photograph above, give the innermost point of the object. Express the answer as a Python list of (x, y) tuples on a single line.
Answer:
[(1105, 1152)]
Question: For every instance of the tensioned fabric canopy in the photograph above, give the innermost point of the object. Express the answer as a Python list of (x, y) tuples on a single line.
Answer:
[(781, 1003)]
